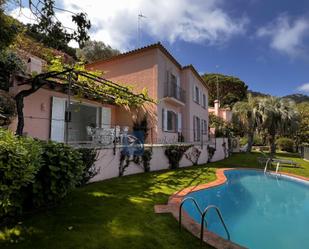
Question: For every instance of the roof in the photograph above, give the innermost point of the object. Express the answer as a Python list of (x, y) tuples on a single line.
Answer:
[(141, 50), (197, 75), (147, 48)]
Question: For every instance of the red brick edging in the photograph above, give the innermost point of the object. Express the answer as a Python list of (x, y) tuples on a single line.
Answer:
[(191, 225)]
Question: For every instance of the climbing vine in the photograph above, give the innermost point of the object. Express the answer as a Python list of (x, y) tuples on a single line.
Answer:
[(174, 154), (193, 155), (81, 83), (143, 160), (211, 152), (87, 83)]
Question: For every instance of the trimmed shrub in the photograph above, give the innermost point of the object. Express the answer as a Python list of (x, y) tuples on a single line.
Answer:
[(20, 159), (89, 157), (174, 154), (285, 144), (146, 158), (61, 171)]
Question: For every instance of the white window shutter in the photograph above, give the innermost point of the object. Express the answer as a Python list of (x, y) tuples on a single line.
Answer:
[(164, 121), (179, 122), (194, 96), (167, 76), (106, 117), (57, 119), (178, 81), (194, 128)]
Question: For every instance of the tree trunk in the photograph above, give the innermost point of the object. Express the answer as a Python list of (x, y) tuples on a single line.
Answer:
[(19, 99), (272, 144), (250, 141)]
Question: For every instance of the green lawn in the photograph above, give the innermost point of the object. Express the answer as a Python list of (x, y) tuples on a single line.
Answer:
[(119, 213)]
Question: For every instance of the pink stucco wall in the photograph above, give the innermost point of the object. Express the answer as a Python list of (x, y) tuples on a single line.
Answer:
[(148, 69), (192, 108), (225, 114), (138, 71), (37, 112)]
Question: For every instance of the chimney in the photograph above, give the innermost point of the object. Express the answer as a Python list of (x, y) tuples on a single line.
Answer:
[(217, 107)]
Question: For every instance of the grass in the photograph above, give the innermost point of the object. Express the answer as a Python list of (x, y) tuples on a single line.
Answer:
[(119, 213)]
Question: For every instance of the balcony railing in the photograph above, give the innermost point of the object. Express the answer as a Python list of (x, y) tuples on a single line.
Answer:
[(173, 90)]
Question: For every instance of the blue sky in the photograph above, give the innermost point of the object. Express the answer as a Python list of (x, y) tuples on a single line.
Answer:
[(264, 43)]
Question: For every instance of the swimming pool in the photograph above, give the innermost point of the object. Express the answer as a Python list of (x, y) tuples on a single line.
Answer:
[(261, 211)]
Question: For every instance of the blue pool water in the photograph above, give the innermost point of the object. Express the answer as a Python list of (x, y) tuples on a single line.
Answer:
[(261, 211)]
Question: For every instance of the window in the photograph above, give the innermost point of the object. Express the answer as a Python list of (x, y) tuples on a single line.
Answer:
[(204, 127), (196, 95), (204, 100), (173, 80), (170, 120), (196, 128)]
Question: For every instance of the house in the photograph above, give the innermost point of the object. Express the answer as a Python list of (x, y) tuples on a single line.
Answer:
[(179, 115), (224, 113), (181, 112)]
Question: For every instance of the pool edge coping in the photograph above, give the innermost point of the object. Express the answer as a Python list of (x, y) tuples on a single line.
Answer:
[(192, 226)]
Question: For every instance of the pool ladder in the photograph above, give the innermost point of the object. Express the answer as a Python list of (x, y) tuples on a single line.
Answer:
[(203, 215), (267, 163)]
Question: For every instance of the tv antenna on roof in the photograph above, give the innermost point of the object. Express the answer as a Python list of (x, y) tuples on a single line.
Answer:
[(139, 28)]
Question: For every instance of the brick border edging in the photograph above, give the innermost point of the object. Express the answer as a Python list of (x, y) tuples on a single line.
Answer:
[(192, 226)]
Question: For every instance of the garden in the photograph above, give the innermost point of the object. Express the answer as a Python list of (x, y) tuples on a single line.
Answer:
[(119, 213)]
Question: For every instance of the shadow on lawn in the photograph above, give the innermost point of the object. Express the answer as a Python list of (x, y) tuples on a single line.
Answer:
[(116, 213)]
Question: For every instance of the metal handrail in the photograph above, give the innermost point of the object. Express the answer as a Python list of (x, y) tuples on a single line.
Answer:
[(277, 168), (221, 218), (183, 202), (268, 160), (173, 90), (203, 215)]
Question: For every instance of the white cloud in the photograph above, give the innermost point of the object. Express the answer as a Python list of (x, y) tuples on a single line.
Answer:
[(199, 21), (304, 88), (286, 36), (23, 14)]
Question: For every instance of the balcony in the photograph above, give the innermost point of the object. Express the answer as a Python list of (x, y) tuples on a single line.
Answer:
[(174, 93)]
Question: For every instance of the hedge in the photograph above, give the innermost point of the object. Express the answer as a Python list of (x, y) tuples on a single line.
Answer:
[(36, 173)]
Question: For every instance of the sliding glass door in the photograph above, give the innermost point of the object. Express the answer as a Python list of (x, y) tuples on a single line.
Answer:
[(82, 116)]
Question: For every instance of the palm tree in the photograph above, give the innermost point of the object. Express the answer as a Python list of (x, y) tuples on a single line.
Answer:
[(276, 116), (244, 113)]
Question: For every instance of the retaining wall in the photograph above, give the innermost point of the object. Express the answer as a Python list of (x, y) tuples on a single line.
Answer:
[(107, 164)]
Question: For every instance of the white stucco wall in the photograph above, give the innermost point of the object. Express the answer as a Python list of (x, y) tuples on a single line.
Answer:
[(108, 163)]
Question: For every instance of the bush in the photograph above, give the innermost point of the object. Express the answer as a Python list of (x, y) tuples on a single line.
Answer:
[(243, 141), (61, 171), (174, 154), (7, 108), (89, 157), (20, 159), (285, 144), (257, 141), (146, 158)]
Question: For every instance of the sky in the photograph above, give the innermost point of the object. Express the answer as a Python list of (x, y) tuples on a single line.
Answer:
[(264, 43)]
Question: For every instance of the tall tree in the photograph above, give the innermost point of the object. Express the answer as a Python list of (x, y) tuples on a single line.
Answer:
[(245, 114), (9, 28), (231, 89), (277, 116), (303, 131), (95, 50), (51, 32)]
